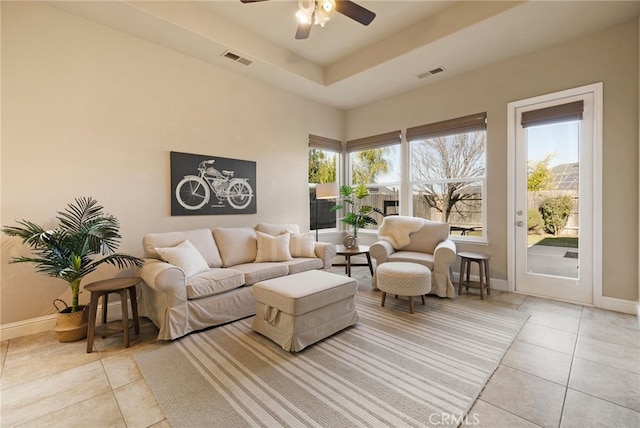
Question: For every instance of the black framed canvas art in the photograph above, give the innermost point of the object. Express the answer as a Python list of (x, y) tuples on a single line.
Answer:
[(210, 185)]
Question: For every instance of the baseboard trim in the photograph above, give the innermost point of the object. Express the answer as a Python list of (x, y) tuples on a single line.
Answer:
[(27, 327), (608, 303), (44, 323), (618, 305)]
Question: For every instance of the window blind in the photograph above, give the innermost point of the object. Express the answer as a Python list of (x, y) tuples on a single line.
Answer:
[(460, 125), (323, 143), (374, 142), (555, 114)]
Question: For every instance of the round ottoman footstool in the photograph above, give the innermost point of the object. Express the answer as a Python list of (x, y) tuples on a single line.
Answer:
[(403, 279)]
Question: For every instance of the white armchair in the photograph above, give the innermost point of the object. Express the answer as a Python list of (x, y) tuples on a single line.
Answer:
[(415, 240)]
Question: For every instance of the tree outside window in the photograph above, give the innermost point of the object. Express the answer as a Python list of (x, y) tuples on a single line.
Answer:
[(322, 166), (379, 170), (448, 180), (369, 165)]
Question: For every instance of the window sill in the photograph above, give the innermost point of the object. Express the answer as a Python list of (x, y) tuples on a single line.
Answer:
[(465, 240)]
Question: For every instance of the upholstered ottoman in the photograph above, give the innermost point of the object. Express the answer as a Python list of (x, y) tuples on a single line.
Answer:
[(403, 279), (298, 310)]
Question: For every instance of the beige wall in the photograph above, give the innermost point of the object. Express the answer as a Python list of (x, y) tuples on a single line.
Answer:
[(87, 110), (609, 56)]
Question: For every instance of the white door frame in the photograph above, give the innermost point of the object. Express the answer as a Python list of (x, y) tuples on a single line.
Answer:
[(596, 90)]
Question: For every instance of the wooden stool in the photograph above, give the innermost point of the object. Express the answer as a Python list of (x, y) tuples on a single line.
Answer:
[(103, 288), (483, 266)]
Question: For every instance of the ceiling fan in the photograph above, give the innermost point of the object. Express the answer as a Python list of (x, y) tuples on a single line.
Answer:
[(318, 12)]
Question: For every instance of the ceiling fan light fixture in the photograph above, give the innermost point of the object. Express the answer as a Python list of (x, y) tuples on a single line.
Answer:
[(324, 10), (303, 16), (319, 12), (320, 20), (329, 6)]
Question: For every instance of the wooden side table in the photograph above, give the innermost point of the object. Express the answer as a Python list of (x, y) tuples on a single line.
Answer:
[(349, 252), (466, 258), (104, 288)]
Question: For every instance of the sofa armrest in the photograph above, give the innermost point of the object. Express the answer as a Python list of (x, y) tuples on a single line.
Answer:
[(166, 279), (381, 251), (325, 251), (444, 255)]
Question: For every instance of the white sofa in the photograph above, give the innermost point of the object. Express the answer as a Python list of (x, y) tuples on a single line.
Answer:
[(200, 278), (415, 240)]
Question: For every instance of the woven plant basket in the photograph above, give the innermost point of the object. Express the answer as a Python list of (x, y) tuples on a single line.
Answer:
[(71, 326)]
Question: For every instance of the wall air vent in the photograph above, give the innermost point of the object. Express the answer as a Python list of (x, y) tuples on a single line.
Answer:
[(236, 58), (431, 72)]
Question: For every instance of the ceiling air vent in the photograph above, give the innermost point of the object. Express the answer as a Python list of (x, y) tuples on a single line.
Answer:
[(236, 58), (431, 72)]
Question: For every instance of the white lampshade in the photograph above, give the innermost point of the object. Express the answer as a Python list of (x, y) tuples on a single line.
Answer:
[(327, 191)]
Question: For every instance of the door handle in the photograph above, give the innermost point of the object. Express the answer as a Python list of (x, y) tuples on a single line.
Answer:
[(519, 223)]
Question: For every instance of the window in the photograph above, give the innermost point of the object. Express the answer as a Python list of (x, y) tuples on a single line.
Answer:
[(324, 163), (447, 173), (376, 162)]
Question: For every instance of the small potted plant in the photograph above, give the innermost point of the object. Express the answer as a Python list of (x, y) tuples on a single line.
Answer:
[(83, 231), (358, 215)]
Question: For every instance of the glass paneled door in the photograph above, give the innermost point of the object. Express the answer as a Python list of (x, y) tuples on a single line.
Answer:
[(553, 188)]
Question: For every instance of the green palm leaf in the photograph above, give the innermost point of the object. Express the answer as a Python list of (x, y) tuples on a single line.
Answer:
[(66, 252), (357, 215)]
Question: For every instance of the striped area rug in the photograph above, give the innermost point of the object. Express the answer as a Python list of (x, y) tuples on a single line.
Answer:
[(391, 369)]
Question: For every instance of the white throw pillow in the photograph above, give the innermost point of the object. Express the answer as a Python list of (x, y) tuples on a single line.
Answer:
[(302, 245), (202, 239), (186, 257), (273, 248)]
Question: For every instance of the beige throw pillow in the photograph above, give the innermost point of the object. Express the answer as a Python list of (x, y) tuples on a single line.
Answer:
[(186, 257), (237, 245), (275, 229), (273, 248), (302, 245)]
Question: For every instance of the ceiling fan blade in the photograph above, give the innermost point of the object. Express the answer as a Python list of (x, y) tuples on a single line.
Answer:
[(303, 30), (355, 11), (251, 1)]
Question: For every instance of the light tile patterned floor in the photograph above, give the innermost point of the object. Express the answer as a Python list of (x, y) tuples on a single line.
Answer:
[(571, 366)]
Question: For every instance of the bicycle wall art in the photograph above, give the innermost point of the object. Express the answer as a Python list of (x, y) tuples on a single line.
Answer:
[(210, 185)]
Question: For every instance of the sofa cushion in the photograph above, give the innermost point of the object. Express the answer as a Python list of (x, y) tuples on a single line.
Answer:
[(186, 257), (213, 281), (302, 264), (275, 229), (202, 239), (272, 248), (236, 245), (302, 245), (428, 237), (255, 272), (304, 292)]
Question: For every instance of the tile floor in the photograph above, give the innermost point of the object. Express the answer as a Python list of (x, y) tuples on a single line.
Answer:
[(570, 366)]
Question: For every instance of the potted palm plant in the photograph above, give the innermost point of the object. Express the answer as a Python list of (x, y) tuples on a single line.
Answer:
[(358, 214), (66, 252)]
